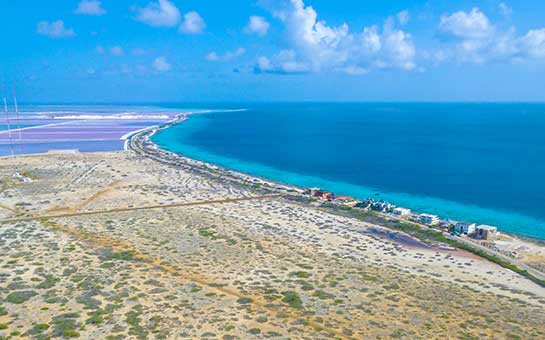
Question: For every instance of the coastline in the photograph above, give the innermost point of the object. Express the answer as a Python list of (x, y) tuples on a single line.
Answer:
[(152, 130), (141, 142), (171, 158), (163, 240)]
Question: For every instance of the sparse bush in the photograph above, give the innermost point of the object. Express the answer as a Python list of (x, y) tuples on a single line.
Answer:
[(292, 299), (20, 297)]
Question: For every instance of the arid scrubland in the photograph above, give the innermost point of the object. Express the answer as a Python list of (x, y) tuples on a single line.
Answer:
[(263, 268)]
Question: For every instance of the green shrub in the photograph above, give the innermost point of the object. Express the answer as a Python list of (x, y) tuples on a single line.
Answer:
[(20, 297), (292, 299)]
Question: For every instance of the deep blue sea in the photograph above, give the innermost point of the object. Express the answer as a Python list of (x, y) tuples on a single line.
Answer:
[(483, 163)]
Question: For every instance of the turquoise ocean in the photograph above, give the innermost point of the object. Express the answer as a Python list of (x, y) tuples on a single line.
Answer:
[(483, 163)]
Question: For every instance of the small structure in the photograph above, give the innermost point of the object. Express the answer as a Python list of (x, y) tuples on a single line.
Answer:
[(485, 232), (362, 205), (401, 212), (429, 219), (319, 193), (345, 200), (465, 228), (329, 196), (22, 177), (382, 206), (325, 195), (446, 224), (311, 191)]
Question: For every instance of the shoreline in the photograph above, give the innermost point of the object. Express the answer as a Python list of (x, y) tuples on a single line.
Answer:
[(186, 116), (181, 117), (149, 132), (164, 240), (141, 143)]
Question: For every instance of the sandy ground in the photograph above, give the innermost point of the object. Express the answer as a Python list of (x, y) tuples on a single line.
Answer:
[(255, 269)]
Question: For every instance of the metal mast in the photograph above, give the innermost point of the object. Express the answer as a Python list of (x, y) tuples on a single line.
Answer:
[(7, 120), (18, 120)]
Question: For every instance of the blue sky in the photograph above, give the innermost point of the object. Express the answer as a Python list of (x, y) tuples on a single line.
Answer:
[(273, 50)]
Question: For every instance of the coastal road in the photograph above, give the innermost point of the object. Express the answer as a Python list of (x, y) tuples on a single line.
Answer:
[(507, 259), (138, 145), (164, 206), (532, 271)]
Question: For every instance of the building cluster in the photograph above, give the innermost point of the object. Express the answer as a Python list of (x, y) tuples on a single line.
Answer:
[(481, 232)]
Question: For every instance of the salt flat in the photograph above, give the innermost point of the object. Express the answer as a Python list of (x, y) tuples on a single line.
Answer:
[(253, 269)]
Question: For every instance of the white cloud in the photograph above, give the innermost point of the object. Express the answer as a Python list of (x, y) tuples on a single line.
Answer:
[(533, 44), (284, 62), (229, 55), (160, 64), (403, 17), (264, 65), (504, 9), (116, 51), (212, 56), (316, 46), (162, 13), (90, 7), (193, 23), (257, 25), (475, 36), (55, 29), (478, 40), (398, 48), (472, 25)]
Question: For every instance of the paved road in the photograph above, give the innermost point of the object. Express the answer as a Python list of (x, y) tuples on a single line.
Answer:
[(164, 206)]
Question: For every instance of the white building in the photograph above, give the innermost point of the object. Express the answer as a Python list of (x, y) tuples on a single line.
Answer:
[(465, 228), (429, 219), (401, 211), (484, 232)]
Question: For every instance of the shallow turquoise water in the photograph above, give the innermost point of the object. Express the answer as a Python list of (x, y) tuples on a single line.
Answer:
[(474, 162)]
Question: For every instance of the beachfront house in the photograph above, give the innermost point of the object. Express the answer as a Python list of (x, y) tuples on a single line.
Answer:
[(429, 219), (311, 191), (320, 193), (346, 200), (485, 232), (382, 206), (401, 212), (329, 196), (446, 224), (465, 228)]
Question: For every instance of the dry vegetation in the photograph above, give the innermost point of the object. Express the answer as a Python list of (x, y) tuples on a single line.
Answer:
[(254, 269)]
